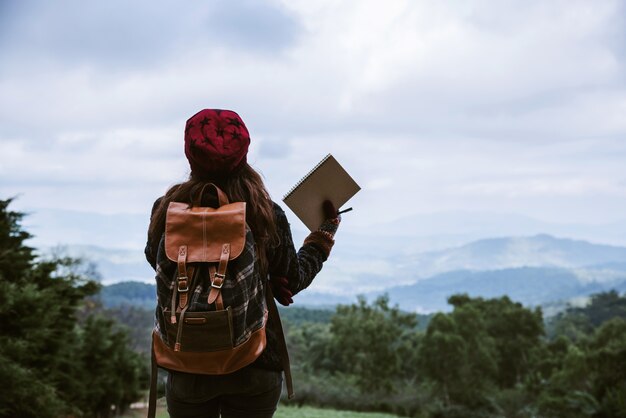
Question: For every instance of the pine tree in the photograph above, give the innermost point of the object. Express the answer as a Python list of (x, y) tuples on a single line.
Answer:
[(42, 341)]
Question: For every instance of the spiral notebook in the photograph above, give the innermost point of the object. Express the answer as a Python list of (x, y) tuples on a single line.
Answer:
[(327, 180)]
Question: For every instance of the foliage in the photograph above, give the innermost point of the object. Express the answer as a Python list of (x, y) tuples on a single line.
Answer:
[(486, 358), (66, 351), (46, 352), (136, 322), (514, 329), (296, 316), (376, 343), (480, 346), (308, 412), (576, 322)]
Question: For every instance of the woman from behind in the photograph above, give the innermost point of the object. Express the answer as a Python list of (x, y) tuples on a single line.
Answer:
[(216, 146)]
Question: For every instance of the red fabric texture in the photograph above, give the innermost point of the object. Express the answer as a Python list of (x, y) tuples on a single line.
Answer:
[(216, 142)]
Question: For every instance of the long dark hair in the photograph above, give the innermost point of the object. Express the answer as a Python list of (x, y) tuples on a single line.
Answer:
[(243, 185)]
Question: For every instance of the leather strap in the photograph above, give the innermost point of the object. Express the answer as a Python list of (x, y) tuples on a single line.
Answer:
[(221, 196), (274, 319), (215, 296), (154, 373), (173, 307), (182, 281), (182, 258), (185, 297), (183, 310), (181, 325), (217, 279)]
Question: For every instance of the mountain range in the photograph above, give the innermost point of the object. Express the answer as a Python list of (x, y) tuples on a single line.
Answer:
[(539, 270)]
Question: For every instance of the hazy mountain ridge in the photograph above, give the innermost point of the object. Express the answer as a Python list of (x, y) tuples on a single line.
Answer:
[(537, 270), (533, 286), (383, 255), (141, 295), (418, 260), (113, 265), (357, 270), (510, 252)]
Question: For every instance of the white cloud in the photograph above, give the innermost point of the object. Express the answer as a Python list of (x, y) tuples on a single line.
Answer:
[(432, 106)]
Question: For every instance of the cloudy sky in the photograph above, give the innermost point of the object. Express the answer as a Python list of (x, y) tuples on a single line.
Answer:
[(513, 107)]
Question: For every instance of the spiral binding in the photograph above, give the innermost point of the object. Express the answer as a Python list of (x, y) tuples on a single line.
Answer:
[(298, 184)]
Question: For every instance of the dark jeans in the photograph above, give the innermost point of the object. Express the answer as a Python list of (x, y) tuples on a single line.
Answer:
[(250, 392)]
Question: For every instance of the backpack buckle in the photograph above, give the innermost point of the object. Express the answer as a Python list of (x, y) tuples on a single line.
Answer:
[(182, 281), (218, 280)]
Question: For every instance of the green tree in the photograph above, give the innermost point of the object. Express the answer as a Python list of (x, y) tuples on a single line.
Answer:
[(442, 355), (41, 341), (459, 355), (568, 391), (106, 360), (515, 330), (607, 359), (376, 343), (576, 322), (482, 347), (590, 381)]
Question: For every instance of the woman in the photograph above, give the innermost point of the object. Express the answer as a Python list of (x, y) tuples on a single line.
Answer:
[(216, 146)]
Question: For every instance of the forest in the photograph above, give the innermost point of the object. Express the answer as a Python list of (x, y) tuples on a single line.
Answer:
[(65, 353)]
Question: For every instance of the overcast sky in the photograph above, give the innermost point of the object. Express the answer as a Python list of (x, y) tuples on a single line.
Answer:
[(489, 106)]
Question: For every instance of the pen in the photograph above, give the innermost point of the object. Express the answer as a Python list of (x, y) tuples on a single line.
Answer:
[(344, 211)]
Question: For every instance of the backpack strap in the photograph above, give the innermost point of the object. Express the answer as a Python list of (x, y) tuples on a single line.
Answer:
[(282, 344), (154, 373), (182, 281), (217, 278), (179, 332), (182, 284)]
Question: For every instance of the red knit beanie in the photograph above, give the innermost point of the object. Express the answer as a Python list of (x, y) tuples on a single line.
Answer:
[(216, 142)]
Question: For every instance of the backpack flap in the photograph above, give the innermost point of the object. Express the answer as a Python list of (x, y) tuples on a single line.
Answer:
[(204, 230)]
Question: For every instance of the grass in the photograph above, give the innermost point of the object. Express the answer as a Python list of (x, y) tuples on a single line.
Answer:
[(284, 412), (309, 412)]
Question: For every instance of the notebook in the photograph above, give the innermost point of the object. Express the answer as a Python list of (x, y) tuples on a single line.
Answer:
[(327, 180)]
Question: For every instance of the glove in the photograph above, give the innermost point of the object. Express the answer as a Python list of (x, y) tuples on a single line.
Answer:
[(332, 221), (280, 289), (329, 209)]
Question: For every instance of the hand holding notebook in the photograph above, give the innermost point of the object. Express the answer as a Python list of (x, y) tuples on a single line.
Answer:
[(328, 180)]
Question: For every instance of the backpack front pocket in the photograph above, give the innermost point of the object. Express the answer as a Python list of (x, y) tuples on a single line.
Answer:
[(202, 331)]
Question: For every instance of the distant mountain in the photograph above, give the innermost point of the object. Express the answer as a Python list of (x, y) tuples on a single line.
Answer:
[(143, 295), (419, 260), (532, 286), (129, 293), (113, 265), (374, 264), (501, 253)]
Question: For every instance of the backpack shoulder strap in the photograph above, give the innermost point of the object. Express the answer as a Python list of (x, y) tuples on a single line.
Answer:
[(154, 372), (282, 344)]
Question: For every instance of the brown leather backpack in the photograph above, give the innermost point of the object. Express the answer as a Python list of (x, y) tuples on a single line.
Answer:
[(214, 321)]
